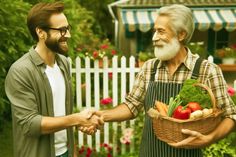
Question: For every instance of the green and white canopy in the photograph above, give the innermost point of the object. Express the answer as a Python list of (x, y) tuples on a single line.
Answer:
[(205, 18)]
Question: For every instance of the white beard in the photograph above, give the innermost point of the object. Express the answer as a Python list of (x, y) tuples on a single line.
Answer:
[(168, 51)]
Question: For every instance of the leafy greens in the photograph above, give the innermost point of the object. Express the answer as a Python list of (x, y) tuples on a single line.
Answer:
[(190, 93)]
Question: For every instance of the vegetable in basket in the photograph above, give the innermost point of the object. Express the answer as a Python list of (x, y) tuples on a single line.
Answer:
[(173, 104), (161, 108), (182, 112), (194, 106), (191, 93)]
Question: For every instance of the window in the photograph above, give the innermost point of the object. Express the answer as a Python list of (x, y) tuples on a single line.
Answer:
[(217, 40), (222, 37)]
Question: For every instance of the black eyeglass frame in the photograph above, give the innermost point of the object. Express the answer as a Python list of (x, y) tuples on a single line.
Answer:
[(63, 30)]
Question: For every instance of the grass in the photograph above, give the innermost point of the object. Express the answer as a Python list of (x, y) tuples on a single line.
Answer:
[(6, 147)]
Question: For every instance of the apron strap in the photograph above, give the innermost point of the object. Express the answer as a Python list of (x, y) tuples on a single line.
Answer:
[(196, 68), (195, 73), (154, 70)]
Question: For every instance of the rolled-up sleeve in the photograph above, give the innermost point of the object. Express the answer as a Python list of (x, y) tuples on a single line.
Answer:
[(23, 102), (135, 99)]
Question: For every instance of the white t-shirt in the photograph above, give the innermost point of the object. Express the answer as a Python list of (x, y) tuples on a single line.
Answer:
[(57, 84)]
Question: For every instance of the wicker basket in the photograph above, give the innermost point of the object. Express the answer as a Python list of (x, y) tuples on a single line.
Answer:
[(168, 129)]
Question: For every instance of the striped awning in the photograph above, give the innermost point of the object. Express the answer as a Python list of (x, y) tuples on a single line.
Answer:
[(143, 19)]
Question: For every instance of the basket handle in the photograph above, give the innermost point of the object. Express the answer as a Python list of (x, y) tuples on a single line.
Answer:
[(213, 100)]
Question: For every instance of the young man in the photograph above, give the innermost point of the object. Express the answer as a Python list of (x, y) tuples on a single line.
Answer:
[(38, 86), (163, 77)]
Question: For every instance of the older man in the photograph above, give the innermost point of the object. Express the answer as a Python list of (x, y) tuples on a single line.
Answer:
[(163, 77)]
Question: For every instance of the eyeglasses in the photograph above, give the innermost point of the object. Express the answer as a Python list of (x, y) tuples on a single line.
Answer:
[(62, 30)]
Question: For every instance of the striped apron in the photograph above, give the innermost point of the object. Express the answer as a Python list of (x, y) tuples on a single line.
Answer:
[(161, 91)]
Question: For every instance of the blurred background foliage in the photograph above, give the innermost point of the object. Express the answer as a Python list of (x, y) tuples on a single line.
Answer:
[(15, 41)]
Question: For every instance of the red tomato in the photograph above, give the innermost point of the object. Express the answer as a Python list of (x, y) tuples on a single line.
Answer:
[(194, 106), (181, 113)]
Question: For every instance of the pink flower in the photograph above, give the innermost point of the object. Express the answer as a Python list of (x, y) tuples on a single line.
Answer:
[(113, 52), (106, 101), (231, 91), (125, 140), (127, 136), (104, 46)]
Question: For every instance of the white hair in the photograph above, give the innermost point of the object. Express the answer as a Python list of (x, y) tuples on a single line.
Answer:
[(181, 19)]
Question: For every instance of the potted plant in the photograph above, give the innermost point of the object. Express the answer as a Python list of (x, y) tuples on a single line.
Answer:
[(227, 54), (198, 48)]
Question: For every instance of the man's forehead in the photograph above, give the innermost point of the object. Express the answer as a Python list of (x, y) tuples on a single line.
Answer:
[(162, 22), (58, 20)]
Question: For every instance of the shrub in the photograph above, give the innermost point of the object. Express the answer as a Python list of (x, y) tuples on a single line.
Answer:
[(14, 43)]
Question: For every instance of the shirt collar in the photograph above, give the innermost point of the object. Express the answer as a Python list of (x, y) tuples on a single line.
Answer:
[(38, 60), (35, 56), (188, 61)]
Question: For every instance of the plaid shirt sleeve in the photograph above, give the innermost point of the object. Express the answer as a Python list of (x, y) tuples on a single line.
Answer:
[(219, 88), (135, 99)]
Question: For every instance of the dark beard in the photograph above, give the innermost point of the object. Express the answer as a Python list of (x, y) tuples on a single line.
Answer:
[(54, 45)]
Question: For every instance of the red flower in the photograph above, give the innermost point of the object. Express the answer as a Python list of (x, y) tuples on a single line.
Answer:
[(87, 155), (109, 149), (234, 46), (113, 52), (127, 143), (89, 152), (105, 145), (106, 101), (104, 46), (81, 150), (109, 155), (110, 75), (95, 54)]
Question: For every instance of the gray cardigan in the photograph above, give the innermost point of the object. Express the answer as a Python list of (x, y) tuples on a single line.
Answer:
[(29, 92)]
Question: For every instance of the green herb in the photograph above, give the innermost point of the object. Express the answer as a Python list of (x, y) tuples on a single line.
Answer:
[(173, 104), (190, 93)]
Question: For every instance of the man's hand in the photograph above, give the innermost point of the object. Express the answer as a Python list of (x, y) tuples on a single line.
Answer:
[(92, 114), (195, 140), (90, 121)]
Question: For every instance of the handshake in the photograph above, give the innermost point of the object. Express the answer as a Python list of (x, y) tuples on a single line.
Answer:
[(90, 120)]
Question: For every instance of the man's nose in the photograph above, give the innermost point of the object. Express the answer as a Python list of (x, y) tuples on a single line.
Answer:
[(68, 35), (156, 36)]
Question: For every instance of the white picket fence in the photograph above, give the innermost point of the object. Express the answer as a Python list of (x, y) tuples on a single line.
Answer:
[(93, 83)]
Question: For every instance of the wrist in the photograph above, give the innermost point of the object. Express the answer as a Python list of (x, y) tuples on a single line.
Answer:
[(75, 119), (103, 114), (212, 137)]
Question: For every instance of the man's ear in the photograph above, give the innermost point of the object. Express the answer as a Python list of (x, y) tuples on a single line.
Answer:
[(182, 35), (41, 33)]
